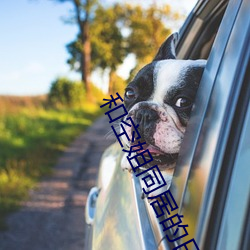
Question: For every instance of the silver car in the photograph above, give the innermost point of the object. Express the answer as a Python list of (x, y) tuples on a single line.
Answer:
[(211, 183)]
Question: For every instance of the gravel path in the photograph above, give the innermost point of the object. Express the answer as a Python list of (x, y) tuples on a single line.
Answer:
[(53, 218)]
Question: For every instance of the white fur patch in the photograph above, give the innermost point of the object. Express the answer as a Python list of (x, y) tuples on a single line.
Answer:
[(169, 73), (168, 138)]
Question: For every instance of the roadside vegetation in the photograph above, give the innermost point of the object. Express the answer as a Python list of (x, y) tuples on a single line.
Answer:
[(34, 131)]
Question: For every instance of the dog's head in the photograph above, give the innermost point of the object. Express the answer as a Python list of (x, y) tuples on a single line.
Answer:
[(160, 99)]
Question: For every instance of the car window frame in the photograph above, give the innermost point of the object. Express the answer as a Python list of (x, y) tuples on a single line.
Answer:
[(191, 20), (236, 151), (196, 25), (193, 139), (197, 117)]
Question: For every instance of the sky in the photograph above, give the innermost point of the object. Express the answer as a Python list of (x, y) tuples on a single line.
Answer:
[(32, 44)]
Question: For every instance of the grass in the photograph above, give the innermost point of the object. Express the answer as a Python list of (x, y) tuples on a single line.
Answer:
[(31, 139)]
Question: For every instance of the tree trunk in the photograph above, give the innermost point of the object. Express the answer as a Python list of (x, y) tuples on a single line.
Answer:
[(86, 58), (111, 81)]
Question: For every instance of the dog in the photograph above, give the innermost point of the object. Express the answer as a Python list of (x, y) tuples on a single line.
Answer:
[(160, 99)]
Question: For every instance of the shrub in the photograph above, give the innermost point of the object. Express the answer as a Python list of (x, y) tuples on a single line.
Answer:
[(65, 92)]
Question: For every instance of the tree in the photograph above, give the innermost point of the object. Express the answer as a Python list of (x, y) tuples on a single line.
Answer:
[(83, 16), (119, 30), (108, 48), (148, 31), (108, 44)]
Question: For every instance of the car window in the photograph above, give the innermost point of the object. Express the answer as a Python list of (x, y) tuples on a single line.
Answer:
[(198, 34), (235, 213), (202, 44), (197, 174)]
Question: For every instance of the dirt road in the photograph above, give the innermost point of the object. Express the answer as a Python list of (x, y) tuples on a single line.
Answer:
[(53, 218)]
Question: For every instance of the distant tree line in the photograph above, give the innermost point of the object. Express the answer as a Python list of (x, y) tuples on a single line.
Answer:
[(108, 34)]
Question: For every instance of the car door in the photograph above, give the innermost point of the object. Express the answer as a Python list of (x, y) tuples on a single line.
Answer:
[(121, 220), (209, 174)]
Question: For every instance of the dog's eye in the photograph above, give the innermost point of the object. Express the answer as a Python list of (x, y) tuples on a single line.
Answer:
[(183, 102), (130, 94)]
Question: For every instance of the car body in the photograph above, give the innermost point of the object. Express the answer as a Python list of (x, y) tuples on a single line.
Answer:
[(211, 184)]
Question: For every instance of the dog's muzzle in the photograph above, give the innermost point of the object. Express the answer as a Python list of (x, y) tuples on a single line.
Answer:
[(147, 119)]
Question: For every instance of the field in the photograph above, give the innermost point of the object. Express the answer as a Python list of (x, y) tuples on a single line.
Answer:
[(32, 135)]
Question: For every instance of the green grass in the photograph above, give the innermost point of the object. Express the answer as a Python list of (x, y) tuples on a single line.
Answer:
[(31, 139)]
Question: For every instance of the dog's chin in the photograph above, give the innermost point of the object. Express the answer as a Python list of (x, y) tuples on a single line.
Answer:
[(160, 158), (164, 160)]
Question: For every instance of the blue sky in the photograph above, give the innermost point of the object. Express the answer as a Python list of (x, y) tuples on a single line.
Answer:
[(32, 44)]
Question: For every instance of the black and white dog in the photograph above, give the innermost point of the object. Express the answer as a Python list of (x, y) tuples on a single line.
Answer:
[(160, 99)]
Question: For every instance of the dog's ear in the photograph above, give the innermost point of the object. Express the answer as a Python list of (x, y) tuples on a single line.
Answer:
[(167, 49)]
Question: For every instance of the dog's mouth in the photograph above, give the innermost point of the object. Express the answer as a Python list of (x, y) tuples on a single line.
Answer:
[(159, 157)]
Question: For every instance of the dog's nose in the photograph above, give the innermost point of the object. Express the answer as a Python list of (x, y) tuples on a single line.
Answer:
[(146, 117)]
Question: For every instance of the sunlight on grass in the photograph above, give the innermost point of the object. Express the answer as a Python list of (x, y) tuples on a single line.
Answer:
[(14, 186), (31, 139)]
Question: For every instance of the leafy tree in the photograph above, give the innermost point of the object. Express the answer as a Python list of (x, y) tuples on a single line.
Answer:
[(83, 16), (148, 31), (107, 43), (119, 30)]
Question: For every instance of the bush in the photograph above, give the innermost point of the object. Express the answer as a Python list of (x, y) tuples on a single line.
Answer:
[(65, 92)]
